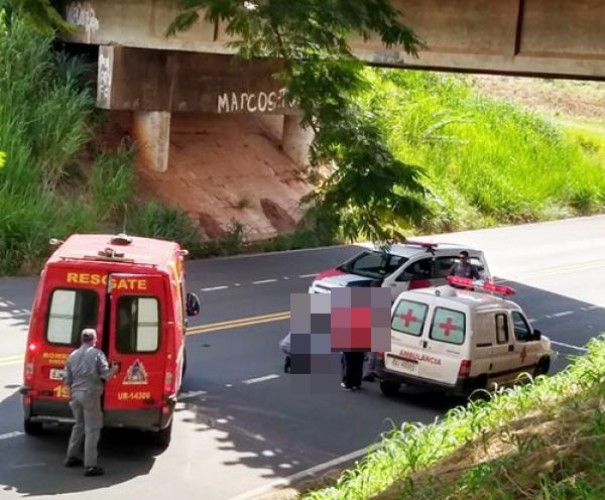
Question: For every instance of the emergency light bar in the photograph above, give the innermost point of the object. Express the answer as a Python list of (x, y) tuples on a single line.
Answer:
[(421, 244), (484, 286)]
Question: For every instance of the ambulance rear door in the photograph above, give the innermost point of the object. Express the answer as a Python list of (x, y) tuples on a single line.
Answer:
[(408, 321), (138, 311)]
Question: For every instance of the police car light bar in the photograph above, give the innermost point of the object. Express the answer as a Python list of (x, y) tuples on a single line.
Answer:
[(484, 286), (421, 244)]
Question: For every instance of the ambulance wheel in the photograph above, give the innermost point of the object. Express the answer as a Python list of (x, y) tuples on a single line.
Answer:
[(479, 391), (543, 366), (389, 388), (163, 436), (32, 428)]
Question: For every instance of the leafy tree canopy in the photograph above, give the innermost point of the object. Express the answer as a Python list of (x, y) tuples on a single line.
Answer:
[(40, 14), (373, 194)]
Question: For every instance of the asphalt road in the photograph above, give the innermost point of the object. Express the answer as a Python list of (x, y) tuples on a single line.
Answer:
[(242, 424)]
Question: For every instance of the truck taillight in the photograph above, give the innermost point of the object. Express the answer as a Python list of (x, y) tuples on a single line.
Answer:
[(465, 368), (168, 384), (28, 372)]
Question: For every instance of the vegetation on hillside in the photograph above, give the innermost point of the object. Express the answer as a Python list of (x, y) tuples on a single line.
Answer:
[(537, 440), (487, 161), (55, 181), (413, 152)]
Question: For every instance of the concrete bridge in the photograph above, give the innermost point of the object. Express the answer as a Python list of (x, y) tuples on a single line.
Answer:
[(143, 72)]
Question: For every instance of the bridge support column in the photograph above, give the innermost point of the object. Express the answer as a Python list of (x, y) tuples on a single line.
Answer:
[(152, 130), (296, 140)]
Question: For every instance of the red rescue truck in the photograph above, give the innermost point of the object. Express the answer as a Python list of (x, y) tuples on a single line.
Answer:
[(132, 291)]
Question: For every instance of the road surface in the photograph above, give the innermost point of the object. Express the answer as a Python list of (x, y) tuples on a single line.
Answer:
[(241, 425)]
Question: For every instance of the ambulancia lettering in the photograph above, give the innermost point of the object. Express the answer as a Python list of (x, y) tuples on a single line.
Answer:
[(131, 284), (420, 357)]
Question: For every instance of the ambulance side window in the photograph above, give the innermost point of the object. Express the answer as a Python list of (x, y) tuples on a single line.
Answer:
[(138, 324), (71, 311), (501, 328), (409, 317)]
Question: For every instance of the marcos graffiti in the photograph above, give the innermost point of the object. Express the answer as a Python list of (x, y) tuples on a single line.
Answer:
[(252, 102)]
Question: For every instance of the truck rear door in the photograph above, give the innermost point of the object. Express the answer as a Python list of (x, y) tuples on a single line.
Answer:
[(138, 310)]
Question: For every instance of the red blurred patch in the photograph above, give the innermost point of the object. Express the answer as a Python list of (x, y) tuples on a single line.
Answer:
[(419, 284), (329, 273)]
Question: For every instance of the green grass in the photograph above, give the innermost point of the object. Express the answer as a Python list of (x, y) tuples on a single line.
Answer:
[(51, 185), (544, 439), (487, 162)]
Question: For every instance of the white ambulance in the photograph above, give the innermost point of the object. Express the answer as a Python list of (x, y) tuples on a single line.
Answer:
[(461, 339)]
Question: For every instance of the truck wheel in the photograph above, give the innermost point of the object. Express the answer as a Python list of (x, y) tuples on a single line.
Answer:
[(32, 428), (543, 366), (163, 436), (389, 388)]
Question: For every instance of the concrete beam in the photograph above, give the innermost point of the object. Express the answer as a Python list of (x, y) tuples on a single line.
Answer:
[(155, 80), (527, 37), (151, 129)]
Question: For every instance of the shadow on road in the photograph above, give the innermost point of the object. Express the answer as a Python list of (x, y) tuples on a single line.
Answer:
[(267, 427), (32, 466)]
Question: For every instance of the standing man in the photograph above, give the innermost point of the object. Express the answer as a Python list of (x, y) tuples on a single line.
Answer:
[(464, 268), (85, 371)]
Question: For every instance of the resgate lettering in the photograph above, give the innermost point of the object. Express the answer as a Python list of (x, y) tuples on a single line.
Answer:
[(95, 279)]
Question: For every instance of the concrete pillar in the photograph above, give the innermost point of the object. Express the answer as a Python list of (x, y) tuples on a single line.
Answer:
[(151, 129), (296, 140)]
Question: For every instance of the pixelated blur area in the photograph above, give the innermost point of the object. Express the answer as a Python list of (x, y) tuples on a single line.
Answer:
[(322, 326), (361, 319), (310, 348)]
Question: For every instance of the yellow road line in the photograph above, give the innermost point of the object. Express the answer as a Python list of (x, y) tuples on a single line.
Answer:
[(13, 360), (250, 321), (9, 358), (196, 330)]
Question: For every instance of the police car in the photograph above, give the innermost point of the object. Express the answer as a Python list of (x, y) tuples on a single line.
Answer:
[(400, 267), (461, 339)]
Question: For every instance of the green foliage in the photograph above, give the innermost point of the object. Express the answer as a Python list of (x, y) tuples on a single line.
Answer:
[(39, 14), (323, 77), (155, 220), (540, 439), (487, 162), (112, 182), (318, 227), (45, 116), (374, 203)]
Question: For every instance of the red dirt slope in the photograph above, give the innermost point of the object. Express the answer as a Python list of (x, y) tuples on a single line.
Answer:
[(229, 167)]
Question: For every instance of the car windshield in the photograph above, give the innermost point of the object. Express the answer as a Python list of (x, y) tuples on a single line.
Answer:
[(373, 264)]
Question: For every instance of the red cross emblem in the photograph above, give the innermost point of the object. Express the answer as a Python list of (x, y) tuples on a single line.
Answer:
[(523, 354), (408, 317), (448, 327)]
